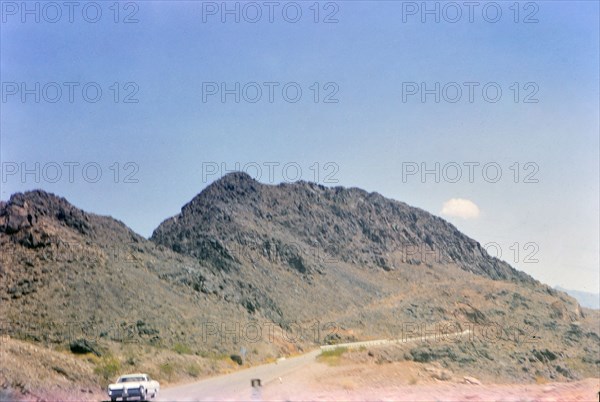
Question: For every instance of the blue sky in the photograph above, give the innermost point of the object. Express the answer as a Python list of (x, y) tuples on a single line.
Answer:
[(163, 145)]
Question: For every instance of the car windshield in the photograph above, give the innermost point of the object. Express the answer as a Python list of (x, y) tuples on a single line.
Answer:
[(131, 379)]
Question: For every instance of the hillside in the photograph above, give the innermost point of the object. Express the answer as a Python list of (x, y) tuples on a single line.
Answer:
[(78, 284), (266, 271), (63, 265), (238, 215), (376, 267)]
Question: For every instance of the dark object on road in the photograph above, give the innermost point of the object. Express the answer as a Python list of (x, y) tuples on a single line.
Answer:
[(256, 390)]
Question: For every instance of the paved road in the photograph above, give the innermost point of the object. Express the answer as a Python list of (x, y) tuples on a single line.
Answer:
[(236, 386), (378, 342)]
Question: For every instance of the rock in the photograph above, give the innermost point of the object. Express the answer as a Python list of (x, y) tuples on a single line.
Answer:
[(144, 329), (35, 239), (471, 380), (544, 355), (60, 371), (237, 359), (426, 354), (16, 219), (564, 371), (439, 374), (83, 346), (332, 339)]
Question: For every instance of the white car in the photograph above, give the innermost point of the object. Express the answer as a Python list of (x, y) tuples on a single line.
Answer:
[(133, 386)]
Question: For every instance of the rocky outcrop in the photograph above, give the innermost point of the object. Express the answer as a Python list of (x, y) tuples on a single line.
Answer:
[(37, 219), (239, 219)]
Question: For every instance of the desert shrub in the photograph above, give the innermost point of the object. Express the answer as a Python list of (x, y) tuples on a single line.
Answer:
[(332, 357), (212, 355), (107, 368), (131, 358), (193, 370), (337, 352), (182, 349), (167, 370)]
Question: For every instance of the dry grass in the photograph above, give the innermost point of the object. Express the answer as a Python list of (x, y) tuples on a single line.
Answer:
[(332, 357)]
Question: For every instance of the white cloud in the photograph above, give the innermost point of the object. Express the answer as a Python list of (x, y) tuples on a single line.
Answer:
[(460, 208)]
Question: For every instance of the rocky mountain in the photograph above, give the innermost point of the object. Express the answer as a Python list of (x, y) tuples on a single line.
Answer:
[(238, 215), (302, 252), (271, 270), (72, 278), (339, 245)]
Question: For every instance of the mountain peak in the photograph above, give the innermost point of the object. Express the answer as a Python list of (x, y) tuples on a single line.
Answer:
[(236, 182), (237, 176), (38, 218), (37, 198), (349, 224), (23, 211)]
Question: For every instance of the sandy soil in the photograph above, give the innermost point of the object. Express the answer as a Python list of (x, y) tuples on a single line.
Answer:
[(396, 382)]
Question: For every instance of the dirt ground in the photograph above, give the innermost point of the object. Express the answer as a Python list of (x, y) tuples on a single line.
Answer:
[(407, 381)]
